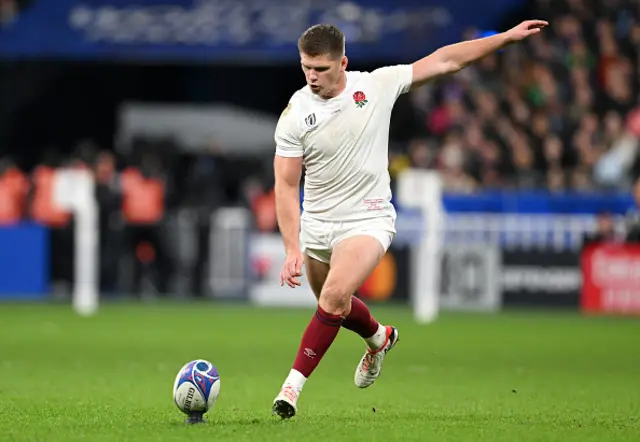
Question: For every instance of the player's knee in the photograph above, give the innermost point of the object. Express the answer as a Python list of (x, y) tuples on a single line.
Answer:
[(335, 300)]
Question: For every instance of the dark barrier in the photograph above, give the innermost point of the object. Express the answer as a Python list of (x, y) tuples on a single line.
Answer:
[(470, 277), (540, 278), (391, 278), (484, 277)]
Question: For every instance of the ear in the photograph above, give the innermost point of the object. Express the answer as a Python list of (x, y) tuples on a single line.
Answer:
[(343, 63)]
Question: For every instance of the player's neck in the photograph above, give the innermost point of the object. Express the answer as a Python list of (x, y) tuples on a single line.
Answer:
[(340, 87)]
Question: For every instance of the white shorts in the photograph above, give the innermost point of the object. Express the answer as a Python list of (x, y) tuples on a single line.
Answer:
[(318, 238)]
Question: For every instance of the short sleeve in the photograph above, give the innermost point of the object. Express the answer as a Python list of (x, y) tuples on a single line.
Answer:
[(286, 136), (395, 79)]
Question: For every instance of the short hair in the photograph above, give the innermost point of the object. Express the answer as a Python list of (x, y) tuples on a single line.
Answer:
[(322, 40)]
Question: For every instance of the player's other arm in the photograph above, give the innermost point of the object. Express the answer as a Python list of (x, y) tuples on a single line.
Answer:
[(288, 171), (287, 166), (287, 188), (455, 57)]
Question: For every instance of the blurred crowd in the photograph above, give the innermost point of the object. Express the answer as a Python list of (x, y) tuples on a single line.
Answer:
[(559, 111), (132, 202), (154, 203)]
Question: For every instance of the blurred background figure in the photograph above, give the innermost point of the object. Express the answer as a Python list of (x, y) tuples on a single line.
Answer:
[(144, 197), (45, 211), (605, 230), (109, 197), (14, 187), (633, 216)]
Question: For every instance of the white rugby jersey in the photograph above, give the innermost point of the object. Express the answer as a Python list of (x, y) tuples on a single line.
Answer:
[(344, 142)]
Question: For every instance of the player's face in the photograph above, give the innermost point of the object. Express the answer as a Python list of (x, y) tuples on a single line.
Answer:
[(323, 72)]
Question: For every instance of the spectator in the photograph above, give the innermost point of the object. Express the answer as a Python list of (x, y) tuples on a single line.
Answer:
[(633, 217), (553, 111), (605, 231), (14, 188)]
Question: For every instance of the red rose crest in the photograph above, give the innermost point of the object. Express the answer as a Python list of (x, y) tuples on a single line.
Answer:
[(360, 98)]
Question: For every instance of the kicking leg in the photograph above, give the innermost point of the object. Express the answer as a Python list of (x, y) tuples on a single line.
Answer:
[(352, 261), (359, 320), (362, 322), (380, 339)]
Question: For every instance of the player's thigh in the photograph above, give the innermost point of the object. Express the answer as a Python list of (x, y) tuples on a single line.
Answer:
[(317, 272), (352, 261), (314, 237)]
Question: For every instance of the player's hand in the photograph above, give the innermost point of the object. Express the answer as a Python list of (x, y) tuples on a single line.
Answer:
[(526, 29), (292, 269)]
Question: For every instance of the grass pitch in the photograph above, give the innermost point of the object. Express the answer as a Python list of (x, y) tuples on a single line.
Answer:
[(507, 377)]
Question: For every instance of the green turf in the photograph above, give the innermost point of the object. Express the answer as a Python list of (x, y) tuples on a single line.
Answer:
[(509, 377)]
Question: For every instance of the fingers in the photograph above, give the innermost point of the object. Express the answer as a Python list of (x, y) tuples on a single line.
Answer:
[(529, 28), (292, 275), (536, 24), (287, 278), (292, 281), (291, 270)]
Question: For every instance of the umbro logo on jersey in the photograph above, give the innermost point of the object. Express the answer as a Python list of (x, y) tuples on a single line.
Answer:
[(310, 120)]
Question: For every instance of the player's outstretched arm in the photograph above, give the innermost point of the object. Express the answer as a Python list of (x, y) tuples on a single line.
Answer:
[(288, 171), (455, 57)]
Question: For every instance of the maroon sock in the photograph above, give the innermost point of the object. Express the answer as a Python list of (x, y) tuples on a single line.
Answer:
[(316, 340), (360, 319)]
